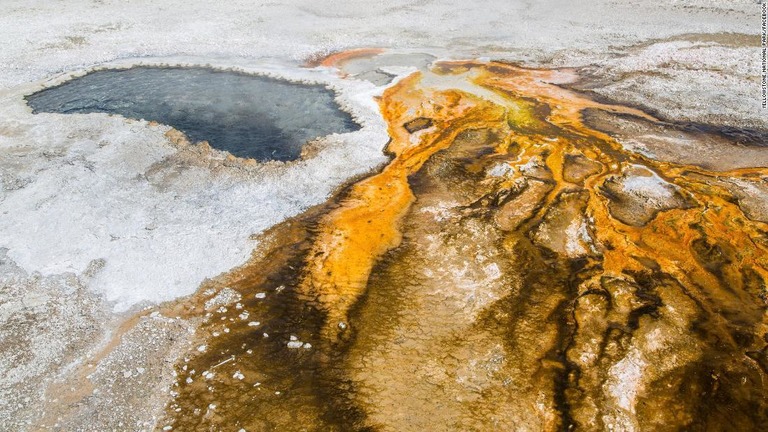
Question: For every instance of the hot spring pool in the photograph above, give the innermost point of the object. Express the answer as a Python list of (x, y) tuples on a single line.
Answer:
[(249, 116)]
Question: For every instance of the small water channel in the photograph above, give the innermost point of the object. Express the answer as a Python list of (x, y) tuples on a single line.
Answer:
[(249, 116)]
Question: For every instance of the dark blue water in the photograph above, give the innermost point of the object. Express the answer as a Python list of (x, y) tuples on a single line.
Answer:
[(247, 115)]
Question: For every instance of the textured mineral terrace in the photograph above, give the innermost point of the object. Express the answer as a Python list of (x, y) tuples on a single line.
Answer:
[(553, 217)]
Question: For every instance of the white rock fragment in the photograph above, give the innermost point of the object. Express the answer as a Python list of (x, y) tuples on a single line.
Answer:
[(225, 297), (492, 271), (254, 324), (648, 186), (202, 348), (501, 169), (238, 375), (295, 343), (208, 374), (577, 238), (261, 295), (243, 316)]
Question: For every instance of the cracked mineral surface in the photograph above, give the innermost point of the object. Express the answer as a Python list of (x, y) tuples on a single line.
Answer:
[(510, 268), (553, 216)]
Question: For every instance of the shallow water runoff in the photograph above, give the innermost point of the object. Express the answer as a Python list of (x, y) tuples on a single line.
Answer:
[(529, 258), (249, 116)]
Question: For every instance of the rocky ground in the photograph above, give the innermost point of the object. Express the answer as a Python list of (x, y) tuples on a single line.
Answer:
[(92, 243)]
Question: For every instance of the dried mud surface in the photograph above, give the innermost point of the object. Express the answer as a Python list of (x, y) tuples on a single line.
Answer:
[(513, 267)]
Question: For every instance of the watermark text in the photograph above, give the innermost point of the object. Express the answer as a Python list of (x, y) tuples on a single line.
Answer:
[(764, 50)]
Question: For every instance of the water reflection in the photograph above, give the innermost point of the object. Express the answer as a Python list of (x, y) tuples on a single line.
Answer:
[(247, 115)]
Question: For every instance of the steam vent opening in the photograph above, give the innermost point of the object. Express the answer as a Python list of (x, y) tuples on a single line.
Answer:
[(249, 116)]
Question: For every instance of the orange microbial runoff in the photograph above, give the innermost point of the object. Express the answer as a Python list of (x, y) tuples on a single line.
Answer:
[(513, 267), (338, 58)]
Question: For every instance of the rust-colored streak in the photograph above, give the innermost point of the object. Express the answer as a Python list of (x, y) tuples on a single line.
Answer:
[(354, 237), (339, 58), (511, 268), (366, 225)]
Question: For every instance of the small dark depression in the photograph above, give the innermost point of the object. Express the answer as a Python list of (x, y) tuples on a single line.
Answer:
[(249, 116)]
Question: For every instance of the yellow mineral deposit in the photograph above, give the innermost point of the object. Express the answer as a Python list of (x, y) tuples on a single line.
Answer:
[(353, 237), (511, 268)]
